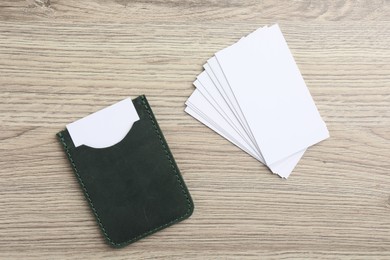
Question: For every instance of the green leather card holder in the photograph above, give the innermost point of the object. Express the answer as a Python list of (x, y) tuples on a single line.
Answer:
[(134, 187)]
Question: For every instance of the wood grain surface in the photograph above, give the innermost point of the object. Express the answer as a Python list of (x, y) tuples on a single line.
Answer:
[(61, 60)]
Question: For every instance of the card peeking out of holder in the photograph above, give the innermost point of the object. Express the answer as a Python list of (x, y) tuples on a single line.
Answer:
[(128, 175)]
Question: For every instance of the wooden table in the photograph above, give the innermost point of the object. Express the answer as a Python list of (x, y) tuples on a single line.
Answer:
[(61, 60)]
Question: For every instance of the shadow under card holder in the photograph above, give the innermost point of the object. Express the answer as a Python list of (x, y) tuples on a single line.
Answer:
[(134, 187)]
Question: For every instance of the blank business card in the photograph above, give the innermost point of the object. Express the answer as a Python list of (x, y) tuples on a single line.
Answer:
[(106, 127), (253, 94)]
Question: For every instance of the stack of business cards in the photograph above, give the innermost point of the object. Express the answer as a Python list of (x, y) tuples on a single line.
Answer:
[(253, 94)]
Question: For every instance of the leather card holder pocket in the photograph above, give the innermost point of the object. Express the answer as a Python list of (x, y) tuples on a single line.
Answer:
[(133, 187)]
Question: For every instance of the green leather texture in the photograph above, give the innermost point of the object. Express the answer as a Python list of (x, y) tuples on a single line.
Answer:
[(133, 187)]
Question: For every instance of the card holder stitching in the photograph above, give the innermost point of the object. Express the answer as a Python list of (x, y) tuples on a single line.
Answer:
[(188, 212), (168, 156), (84, 188)]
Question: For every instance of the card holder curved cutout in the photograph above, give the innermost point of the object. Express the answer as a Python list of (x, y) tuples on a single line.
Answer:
[(133, 187)]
